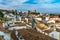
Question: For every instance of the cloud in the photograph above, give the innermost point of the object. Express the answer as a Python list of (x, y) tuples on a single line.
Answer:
[(40, 5), (10, 3), (46, 1), (31, 2)]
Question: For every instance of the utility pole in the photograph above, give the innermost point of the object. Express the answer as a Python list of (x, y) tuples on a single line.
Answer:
[(33, 22)]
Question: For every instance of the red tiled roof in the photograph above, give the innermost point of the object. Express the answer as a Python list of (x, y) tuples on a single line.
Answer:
[(54, 16), (31, 34), (57, 20), (19, 24), (13, 35)]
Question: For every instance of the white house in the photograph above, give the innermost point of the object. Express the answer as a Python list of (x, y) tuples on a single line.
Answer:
[(18, 25), (39, 19), (51, 21), (26, 20), (47, 18)]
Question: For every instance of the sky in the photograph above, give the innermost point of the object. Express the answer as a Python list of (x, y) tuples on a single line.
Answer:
[(46, 6)]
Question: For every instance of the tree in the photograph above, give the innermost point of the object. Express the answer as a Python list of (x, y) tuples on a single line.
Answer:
[(20, 13), (29, 11), (1, 14)]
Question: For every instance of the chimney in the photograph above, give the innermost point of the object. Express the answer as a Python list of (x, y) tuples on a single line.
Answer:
[(1, 25)]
